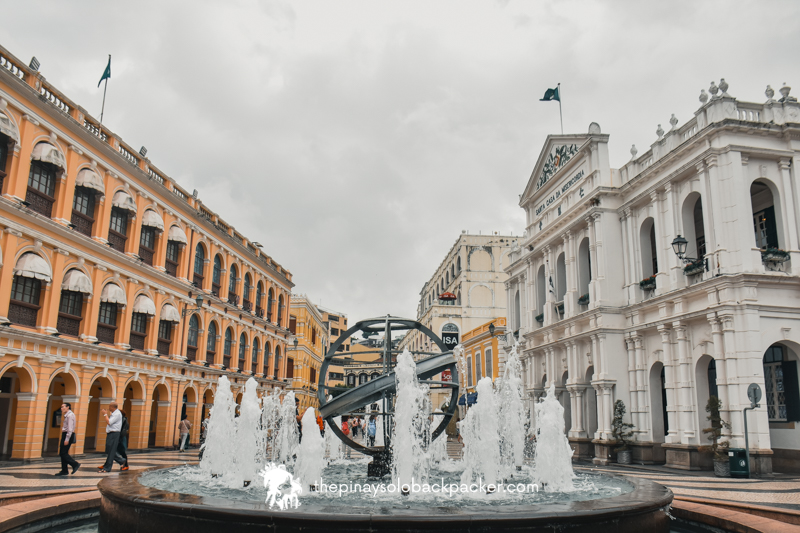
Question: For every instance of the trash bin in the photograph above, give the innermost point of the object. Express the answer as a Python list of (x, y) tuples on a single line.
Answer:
[(737, 458)]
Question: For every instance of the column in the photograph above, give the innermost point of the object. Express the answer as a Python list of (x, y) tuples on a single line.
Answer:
[(593, 286), (602, 429), (641, 388), (633, 387), (139, 432), (732, 371), (579, 417), (788, 204), (573, 412), (688, 435), (673, 265), (608, 409), (7, 274), (669, 383)]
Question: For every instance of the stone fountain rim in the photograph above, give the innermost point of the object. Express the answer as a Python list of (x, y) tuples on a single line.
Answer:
[(646, 497)]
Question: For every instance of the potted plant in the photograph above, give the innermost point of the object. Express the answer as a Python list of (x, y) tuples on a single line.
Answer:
[(648, 284), (540, 318), (621, 432), (584, 300), (719, 448), (774, 255), (695, 267)]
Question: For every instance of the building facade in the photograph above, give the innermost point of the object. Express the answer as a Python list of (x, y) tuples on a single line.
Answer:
[(104, 260), (484, 356), (608, 311), (310, 328), (473, 273)]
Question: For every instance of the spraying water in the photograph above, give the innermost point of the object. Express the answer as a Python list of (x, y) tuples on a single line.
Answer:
[(553, 455), (288, 438), (512, 413), (217, 458), (333, 445), (481, 431), (437, 450), (410, 424), (311, 453), (246, 443)]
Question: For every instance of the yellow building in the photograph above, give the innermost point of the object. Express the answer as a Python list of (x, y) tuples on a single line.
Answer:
[(102, 259), (482, 354), (337, 325), (305, 358)]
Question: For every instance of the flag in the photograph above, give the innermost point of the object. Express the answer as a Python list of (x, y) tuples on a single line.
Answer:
[(106, 72), (551, 94)]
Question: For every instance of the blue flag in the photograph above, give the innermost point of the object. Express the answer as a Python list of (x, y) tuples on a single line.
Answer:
[(107, 72)]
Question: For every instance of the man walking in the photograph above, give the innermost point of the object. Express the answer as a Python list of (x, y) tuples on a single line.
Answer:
[(113, 428), (67, 440), (185, 426)]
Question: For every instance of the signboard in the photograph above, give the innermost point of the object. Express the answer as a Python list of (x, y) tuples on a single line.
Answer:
[(447, 375), (450, 339), (754, 393)]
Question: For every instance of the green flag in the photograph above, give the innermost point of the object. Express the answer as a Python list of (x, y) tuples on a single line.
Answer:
[(550, 94), (106, 73)]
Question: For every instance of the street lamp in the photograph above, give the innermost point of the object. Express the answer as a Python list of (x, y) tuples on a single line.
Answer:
[(491, 329), (679, 245), (198, 301)]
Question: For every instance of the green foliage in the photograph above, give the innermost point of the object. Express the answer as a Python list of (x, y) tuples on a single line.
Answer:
[(621, 430), (338, 390), (718, 447)]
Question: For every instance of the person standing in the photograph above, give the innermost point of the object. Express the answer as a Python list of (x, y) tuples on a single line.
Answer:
[(185, 426), (372, 429), (122, 447), (355, 427), (113, 428), (67, 440), (346, 432)]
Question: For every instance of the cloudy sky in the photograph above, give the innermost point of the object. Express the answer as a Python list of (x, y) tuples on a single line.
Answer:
[(356, 140)]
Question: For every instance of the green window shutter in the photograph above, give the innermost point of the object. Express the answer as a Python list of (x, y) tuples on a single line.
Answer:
[(792, 391)]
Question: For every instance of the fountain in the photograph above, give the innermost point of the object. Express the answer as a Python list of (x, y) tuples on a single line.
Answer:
[(412, 487)]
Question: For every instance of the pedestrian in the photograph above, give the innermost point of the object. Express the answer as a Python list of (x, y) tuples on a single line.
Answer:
[(355, 428), (113, 428), (184, 426), (321, 424), (372, 429), (122, 447), (346, 431), (67, 440)]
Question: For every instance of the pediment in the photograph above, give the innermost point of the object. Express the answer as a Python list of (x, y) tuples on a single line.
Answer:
[(557, 152)]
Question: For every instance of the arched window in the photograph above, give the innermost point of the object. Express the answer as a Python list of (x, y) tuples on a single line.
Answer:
[(254, 357), (541, 294), (6, 144), (351, 380), (25, 295), (517, 312), (70, 309), (151, 225), (216, 276), (83, 206), (692, 216), (280, 310), (226, 354), (362, 378), (489, 363), (242, 351), (781, 392), (458, 265), (314, 336), (765, 218), (233, 298), (478, 373), (561, 280), (259, 298), (584, 271), (111, 298), (118, 229), (165, 333), (42, 180), (649, 249), (199, 265), (246, 304), (269, 305), (211, 343), (277, 362), (194, 333), (469, 371)]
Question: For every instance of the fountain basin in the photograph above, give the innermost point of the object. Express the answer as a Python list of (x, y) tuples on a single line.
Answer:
[(128, 506)]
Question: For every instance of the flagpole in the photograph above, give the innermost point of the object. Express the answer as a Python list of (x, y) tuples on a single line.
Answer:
[(559, 109), (105, 87)]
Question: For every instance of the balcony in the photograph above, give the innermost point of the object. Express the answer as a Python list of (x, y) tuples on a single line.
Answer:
[(260, 312), (163, 346), (210, 354), (117, 241), (68, 325), (233, 299), (146, 255), (198, 280), (106, 333), (82, 223), (215, 287), (171, 267), (247, 305), (191, 353), (137, 340), (39, 202), (23, 314)]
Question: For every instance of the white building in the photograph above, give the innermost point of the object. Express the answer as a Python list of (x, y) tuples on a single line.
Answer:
[(608, 310)]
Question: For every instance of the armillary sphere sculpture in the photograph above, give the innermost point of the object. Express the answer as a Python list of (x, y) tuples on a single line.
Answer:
[(382, 389)]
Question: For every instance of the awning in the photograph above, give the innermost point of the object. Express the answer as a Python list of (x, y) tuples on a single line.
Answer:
[(153, 220), (77, 281), (112, 293), (471, 399), (7, 127), (176, 234), (170, 314), (31, 265), (91, 180), (145, 305), (47, 153), (123, 200)]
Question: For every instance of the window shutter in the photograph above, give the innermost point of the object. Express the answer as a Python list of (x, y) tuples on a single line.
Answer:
[(792, 391), (772, 228)]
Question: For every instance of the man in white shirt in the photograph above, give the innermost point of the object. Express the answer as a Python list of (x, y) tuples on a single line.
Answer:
[(113, 428)]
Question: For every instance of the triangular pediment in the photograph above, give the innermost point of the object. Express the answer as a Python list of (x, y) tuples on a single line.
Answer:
[(558, 151)]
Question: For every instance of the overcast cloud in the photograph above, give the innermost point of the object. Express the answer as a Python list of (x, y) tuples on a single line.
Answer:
[(355, 140)]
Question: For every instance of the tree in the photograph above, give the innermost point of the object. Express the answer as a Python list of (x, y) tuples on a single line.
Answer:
[(621, 430), (717, 447)]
